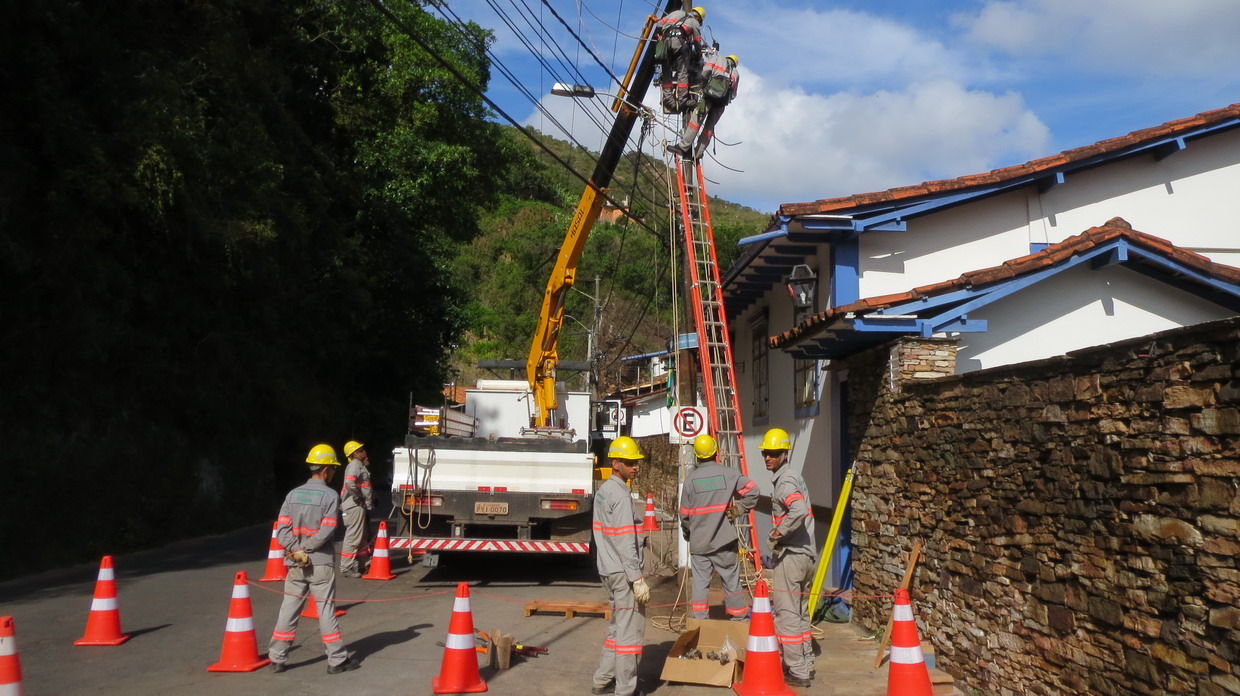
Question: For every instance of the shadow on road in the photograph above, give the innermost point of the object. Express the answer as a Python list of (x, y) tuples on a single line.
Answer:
[(371, 644), (479, 569)]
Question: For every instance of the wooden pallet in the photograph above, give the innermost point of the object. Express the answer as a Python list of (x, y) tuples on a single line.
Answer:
[(568, 608)]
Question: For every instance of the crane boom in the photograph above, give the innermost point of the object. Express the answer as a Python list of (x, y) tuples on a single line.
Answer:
[(544, 353)]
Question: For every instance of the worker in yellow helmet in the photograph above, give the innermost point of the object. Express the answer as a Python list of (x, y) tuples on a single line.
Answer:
[(678, 50), (793, 558), (305, 528), (356, 497), (618, 553), (706, 510), (719, 83)]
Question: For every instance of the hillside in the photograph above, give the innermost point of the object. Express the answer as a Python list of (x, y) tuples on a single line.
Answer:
[(521, 237)]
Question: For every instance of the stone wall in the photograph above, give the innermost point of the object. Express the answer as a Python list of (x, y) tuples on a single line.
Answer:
[(1080, 515)]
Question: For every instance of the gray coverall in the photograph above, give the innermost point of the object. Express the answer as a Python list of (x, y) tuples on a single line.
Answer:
[(618, 550), (795, 559), (307, 522), (709, 490), (681, 34), (719, 84), (356, 497)]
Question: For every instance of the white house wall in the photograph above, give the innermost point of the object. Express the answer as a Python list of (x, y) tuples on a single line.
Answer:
[(1187, 198)]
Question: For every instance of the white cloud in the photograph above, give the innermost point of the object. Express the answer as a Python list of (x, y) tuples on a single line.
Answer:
[(1192, 38)]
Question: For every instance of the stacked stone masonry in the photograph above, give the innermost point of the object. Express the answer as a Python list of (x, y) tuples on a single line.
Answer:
[(1079, 515)]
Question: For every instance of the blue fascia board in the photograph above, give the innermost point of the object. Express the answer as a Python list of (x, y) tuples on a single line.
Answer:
[(1170, 264), (958, 324), (1117, 255), (893, 325), (765, 236)]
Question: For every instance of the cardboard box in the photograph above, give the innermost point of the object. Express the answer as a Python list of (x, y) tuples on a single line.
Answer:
[(706, 635)]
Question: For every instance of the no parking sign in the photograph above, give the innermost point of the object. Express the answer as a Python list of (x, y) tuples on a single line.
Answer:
[(687, 423)]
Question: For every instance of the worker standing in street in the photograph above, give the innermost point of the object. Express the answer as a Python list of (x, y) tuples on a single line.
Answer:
[(356, 497), (706, 516), (618, 550), (719, 84), (794, 558), (305, 528), (679, 52)]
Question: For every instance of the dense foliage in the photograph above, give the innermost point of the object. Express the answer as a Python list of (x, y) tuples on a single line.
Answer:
[(225, 233)]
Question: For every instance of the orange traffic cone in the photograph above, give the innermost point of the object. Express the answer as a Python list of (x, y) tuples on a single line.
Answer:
[(312, 610), (380, 563), (764, 672), (240, 651), (10, 664), (652, 523), (458, 674), (103, 626), (906, 674), (275, 559)]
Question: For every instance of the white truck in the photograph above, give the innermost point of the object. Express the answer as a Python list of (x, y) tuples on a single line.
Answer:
[(490, 482)]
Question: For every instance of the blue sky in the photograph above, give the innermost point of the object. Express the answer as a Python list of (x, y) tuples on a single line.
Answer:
[(853, 96)]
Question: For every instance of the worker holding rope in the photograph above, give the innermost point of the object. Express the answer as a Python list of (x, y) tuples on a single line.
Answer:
[(706, 515), (792, 549)]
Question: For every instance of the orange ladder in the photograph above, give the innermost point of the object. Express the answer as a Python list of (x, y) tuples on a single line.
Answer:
[(714, 346)]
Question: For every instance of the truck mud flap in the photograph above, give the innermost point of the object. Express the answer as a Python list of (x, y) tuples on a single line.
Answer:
[(502, 545)]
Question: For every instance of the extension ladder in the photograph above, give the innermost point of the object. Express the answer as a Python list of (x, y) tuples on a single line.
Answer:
[(714, 345)]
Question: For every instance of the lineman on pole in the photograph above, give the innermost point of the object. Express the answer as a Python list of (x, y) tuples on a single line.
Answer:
[(305, 528), (618, 549), (706, 515), (356, 497), (792, 549), (719, 85)]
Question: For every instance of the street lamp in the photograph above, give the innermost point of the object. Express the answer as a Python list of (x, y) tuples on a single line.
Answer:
[(801, 285), (564, 89)]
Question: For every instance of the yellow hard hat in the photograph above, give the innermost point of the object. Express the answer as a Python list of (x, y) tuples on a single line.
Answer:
[(701, 12), (732, 57), (322, 455), (776, 439), (704, 446), (624, 447), (352, 446)]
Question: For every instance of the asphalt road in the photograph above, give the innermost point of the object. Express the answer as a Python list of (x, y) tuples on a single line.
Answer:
[(174, 603)]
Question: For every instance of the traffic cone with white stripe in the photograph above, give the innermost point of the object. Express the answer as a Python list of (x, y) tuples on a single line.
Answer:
[(103, 626), (10, 664), (276, 569), (380, 562), (907, 674), (764, 671), (312, 610), (651, 523), (240, 651), (458, 673)]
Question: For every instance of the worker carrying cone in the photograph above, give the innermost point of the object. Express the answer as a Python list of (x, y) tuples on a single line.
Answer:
[(307, 523), (458, 673), (275, 570), (240, 650), (380, 563), (907, 674), (764, 671), (10, 663), (103, 626)]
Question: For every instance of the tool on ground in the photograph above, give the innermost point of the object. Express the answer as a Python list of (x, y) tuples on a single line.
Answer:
[(828, 547), (103, 626), (240, 650), (908, 577)]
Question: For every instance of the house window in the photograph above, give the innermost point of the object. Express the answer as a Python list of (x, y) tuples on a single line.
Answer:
[(761, 378), (805, 392)]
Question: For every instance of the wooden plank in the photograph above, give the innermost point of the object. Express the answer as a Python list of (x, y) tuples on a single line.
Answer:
[(568, 608), (908, 577)]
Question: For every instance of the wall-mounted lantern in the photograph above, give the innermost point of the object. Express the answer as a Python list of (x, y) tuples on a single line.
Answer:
[(801, 286)]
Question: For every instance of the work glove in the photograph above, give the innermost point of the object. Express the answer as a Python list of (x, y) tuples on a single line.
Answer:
[(301, 558), (775, 538), (732, 512), (641, 591)]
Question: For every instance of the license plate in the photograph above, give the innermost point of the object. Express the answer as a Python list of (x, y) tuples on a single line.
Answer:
[(490, 508)]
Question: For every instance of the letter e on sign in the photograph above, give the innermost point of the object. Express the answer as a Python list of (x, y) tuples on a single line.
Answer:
[(689, 422)]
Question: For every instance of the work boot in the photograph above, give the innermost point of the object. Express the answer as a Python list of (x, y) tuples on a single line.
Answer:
[(350, 573), (278, 667), (608, 688), (798, 681), (347, 666), (678, 149)]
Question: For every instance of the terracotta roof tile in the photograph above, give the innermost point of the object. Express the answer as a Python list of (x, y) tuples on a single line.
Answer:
[(1101, 147), (1050, 256)]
